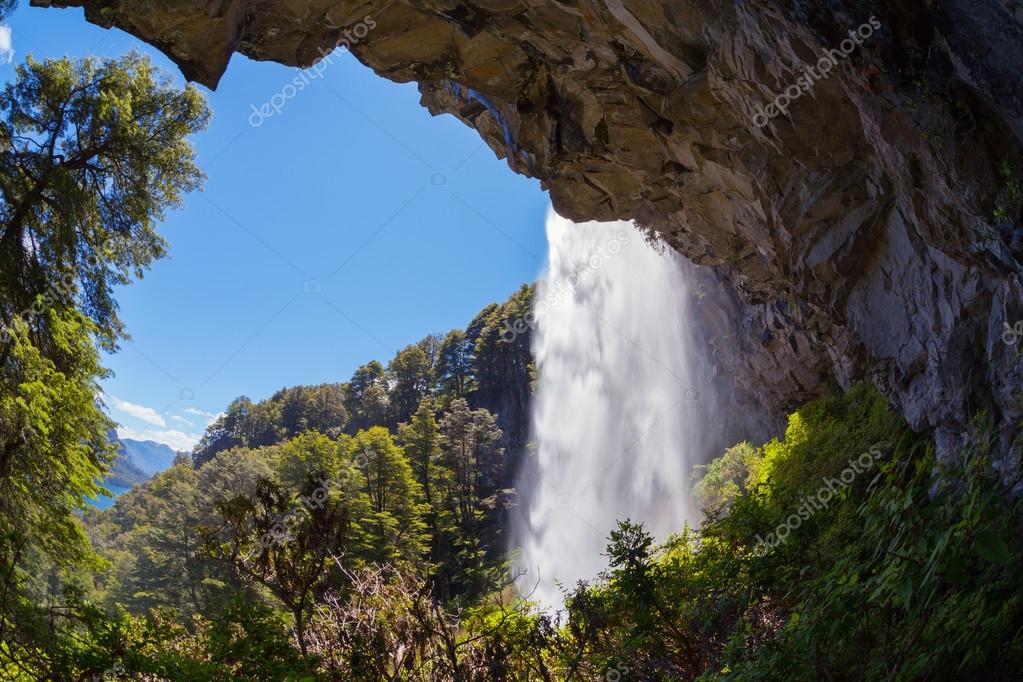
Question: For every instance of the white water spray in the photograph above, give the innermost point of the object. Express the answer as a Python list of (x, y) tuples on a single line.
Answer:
[(614, 418)]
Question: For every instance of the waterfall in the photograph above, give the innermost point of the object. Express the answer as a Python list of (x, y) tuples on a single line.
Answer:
[(614, 417)]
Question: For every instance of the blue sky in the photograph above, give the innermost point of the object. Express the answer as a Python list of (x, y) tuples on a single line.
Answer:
[(343, 228)]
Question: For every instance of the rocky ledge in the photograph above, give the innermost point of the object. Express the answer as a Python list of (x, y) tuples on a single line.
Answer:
[(851, 168)]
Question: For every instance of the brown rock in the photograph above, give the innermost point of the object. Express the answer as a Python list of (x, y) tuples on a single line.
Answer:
[(858, 226)]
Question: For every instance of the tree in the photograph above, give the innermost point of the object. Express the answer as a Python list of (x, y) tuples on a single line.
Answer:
[(430, 345), (229, 430), (396, 518), (408, 375), (282, 536), (471, 452), (421, 440), (304, 408), (324, 409), (366, 398), (53, 451), (503, 365), (91, 154), (453, 375)]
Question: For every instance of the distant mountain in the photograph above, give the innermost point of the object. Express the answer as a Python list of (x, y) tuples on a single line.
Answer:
[(136, 462), (124, 472), (149, 456)]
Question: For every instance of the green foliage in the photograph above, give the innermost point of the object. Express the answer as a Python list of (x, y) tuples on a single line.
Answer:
[(53, 450), (503, 363), (453, 373), (94, 152), (245, 642), (724, 479), (1010, 193), (421, 440), (396, 517), (366, 397), (901, 574), (917, 583), (286, 414), (53, 446), (410, 377)]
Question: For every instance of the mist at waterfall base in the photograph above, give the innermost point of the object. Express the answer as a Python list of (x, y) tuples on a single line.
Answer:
[(615, 417)]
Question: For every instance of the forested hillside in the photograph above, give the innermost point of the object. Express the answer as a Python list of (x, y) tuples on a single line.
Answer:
[(416, 450), (485, 364)]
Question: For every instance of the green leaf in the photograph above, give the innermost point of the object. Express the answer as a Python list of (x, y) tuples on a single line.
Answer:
[(990, 546), (955, 570), (906, 593)]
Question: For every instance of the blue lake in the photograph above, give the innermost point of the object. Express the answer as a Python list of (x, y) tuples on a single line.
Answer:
[(104, 502)]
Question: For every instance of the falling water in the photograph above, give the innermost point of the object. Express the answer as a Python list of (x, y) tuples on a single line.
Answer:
[(614, 418)]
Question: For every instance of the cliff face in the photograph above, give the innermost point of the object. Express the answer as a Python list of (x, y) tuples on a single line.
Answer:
[(870, 219)]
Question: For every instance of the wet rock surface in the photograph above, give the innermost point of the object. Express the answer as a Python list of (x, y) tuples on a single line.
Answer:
[(871, 229)]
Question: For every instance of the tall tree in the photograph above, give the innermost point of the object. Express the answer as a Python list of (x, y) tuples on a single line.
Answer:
[(504, 369), (92, 152), (471, 452), (396, 518), (366, 398), (408, 375), (431, 346), (421, 440), (453, 375), (53, 450)]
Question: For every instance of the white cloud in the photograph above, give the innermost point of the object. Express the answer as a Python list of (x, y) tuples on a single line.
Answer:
[(210, 417), (176, 440), (6, 45), (179, 418), (146, 414)]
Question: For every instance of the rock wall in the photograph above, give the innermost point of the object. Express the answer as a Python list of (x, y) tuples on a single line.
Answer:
[(871, 223)]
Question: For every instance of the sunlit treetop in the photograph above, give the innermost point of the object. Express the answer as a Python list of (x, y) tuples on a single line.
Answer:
[(92, 152)]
